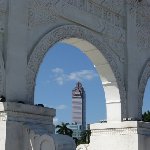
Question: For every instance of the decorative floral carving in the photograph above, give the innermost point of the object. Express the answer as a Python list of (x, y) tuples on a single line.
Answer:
[(110, 17), (41, 11), (107, 22), (37, 139), (117, 47), (103, 10), (64, 32), (142, 85), (95, 6), (143, 25)]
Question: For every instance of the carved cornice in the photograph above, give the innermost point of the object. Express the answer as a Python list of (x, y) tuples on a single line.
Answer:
[(64, 32), (142, 85), (121, 131)]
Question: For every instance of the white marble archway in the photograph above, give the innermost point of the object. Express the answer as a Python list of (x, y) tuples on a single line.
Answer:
[(72, 33)]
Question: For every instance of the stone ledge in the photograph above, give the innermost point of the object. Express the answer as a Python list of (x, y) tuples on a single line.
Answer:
[(116, 125), (25, 108), (121, 128)]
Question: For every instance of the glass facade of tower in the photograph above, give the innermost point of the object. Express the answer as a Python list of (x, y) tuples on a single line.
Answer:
[(79, 105)]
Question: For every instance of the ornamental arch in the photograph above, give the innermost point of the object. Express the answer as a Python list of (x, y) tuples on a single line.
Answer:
[(98, 52), (119, 33)]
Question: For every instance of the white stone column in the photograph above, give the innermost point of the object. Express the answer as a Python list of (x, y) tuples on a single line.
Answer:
[(113, 102), (131, 67), (16, 60)]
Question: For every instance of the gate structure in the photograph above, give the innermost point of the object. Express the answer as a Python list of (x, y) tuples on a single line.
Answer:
[(114, 34)]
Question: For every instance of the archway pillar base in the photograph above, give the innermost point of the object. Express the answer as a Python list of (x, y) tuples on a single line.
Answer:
[(127, 135), (28, 127)]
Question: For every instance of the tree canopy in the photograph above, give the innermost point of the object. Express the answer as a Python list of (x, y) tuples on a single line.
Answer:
[(146, 116), (63, 129)]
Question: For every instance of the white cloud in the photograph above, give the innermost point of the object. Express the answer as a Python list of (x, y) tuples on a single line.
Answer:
[(55, 120), (57, 70), (60, 80), (60, 77), (61, 107), (82, 75)]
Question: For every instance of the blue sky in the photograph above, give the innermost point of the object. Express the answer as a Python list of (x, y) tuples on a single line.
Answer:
[(62, 67)]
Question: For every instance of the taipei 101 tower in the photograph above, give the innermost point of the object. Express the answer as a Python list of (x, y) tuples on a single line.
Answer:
[(79, 105)]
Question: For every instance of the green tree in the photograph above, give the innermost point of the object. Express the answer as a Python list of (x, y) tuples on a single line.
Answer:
[(146, 116), (85, 137), (63, 129)]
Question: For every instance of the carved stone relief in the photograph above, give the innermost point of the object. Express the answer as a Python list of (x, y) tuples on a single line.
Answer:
[(64, 32), (142, 85), (117, 47), (41, 12), (143, 25), (44, 141), (114, 5), (107, 22), (95, 7), (110, 17)]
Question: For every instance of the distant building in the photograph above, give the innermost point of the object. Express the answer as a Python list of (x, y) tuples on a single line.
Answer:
[(77, 129), (79, 106)]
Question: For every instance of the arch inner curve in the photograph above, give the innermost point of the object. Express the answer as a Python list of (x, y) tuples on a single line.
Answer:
[(142, 85), (105, 72)]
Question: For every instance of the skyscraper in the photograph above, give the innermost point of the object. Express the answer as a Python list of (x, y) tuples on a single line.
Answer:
[(79, 105)]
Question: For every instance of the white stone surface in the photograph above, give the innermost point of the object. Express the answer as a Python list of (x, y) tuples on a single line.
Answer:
[(113, 34), (129, 135), (32, 20), (25, 127), (117, 42), (82, 147)]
